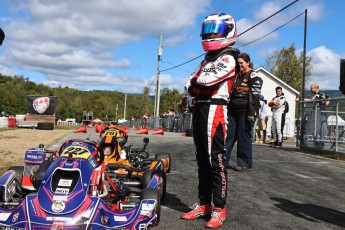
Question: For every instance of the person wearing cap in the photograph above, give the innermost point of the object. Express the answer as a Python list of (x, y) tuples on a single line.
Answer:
[(2, 36), (262, 121)]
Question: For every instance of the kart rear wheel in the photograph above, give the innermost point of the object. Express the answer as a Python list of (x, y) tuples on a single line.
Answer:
[(152, 193), (19, 173), (166, 159)]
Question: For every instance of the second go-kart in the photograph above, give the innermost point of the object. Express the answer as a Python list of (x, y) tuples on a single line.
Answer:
[(131, 165)]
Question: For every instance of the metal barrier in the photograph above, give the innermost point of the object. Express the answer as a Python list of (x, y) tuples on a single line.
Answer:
[(179, 123), (322, 127)]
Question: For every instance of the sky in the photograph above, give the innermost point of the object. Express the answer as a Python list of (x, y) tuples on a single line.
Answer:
[(113, 44)]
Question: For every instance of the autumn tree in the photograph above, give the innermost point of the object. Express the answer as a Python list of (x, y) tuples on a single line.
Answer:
[(286, 65)]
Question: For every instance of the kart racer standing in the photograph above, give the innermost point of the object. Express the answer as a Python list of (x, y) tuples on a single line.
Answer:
[(210, 85)]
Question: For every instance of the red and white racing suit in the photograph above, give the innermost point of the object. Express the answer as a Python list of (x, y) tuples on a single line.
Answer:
[(211, 85)]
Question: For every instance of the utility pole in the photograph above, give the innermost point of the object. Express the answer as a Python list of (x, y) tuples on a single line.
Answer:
[(301, 124), (158, 87), (124, 110)]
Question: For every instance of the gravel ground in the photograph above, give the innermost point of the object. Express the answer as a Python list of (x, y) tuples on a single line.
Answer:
[(14, 143)]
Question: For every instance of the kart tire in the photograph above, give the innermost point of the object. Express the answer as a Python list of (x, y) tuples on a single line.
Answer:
[(189, 132), (162, 174), (152, 193), (45, 126), (19, 173), (146, 178), (160, 156)]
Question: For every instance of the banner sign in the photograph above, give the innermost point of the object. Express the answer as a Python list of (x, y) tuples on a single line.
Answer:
[(42, 105)]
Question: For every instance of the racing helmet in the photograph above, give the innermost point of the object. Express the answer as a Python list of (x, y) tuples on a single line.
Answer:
[(218, 31)]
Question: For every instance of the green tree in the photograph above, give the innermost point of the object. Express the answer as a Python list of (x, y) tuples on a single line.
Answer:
[(169, 100), (286, 65)]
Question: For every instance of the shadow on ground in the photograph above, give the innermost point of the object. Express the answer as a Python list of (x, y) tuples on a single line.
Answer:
[(311, 212)]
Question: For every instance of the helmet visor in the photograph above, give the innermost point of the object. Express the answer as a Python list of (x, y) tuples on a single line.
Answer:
[(214, 27)]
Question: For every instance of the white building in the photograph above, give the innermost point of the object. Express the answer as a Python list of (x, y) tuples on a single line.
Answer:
[(270, 82)]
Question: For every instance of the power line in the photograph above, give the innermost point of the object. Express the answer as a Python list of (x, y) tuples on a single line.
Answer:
[(268, 18), (237, 35), (272, 31)]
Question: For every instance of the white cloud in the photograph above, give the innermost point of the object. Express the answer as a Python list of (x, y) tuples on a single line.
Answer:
[(315, 13), (325, 67), (75, 42)]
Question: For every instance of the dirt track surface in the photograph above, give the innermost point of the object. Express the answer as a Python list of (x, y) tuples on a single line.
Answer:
[(14, 143)]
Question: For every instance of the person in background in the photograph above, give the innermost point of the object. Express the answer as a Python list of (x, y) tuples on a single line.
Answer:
[(183, 104), (262, 121), (210, 86), (278, 106), (318, 95), (2, 36), (321, 117), (242, 109)]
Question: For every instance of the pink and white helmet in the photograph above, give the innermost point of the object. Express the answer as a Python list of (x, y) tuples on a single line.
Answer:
[(218, 31)]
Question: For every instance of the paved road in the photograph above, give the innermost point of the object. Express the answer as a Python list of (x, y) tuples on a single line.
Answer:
[(285, 190)]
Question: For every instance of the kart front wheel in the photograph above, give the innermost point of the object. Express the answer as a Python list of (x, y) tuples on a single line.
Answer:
[(165, 157), (19, 173), (152, 194)]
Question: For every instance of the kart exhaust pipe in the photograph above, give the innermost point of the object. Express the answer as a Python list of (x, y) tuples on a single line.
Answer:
[(9, 204), (132, 183), (127, 206)]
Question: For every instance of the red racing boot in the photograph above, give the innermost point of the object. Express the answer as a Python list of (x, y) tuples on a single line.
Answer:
[(217, 218), (198, 211)]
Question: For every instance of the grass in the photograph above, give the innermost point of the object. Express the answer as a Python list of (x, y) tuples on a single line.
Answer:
[(327, 154), (67, 127), (3, 168)]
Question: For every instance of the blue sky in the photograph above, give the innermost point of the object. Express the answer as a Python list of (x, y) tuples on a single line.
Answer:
[(113, 44)]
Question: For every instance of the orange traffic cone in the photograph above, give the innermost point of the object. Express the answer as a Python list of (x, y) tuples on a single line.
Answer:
[(83, 129), (143, 131), (138, 128), (183, 134), (155, 129), (161, 132), (99, 128)]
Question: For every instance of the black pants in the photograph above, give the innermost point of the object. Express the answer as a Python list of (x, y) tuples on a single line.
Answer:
[(240, 130), (209, 132)]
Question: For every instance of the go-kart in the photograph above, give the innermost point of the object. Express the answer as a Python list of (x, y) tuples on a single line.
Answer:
[(77, 193), (131, 165)]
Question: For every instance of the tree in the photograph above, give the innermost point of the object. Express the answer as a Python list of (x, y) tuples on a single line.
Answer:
[(285, 65), (169, 99)]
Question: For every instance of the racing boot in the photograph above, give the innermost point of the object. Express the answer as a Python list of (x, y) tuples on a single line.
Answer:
[(217, 218), (198, 211)]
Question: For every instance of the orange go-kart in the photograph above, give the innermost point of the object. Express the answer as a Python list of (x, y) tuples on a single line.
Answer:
[(133, 166)]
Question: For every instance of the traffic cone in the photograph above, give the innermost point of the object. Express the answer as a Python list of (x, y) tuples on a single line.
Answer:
[(183, 134), (98, 128), (154, 129), (82, 129), (161, 132), (125, 127), (138, 128), (143, 131)]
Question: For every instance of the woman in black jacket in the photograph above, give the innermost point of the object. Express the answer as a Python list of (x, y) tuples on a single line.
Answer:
[(242, 111)]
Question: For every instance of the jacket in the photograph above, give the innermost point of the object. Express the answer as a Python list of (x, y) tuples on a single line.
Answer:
[(245, 94)]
